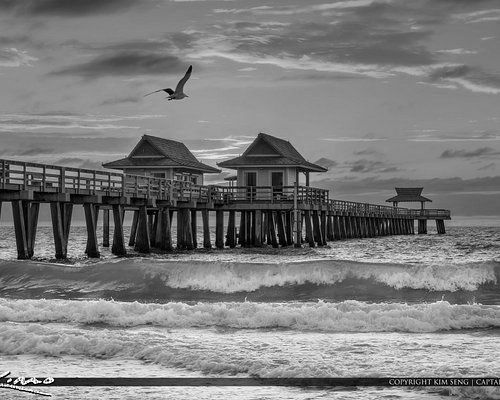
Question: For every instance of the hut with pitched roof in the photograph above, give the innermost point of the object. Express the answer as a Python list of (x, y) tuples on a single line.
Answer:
[(270, 161), (162, 158), (409, 195)]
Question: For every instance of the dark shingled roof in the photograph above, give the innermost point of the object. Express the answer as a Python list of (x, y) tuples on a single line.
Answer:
[(286, 155), (408, 195), (175, 154)]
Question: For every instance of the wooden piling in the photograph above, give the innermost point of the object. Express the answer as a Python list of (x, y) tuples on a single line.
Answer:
[(194, 228), (164, 232), (91, 212), (330, 236), (118, 247), (272, 229), (219, 229), (281, 228), (151, 218), (258, 228), (142, 240), (441, 230), (242, 240), (188, 231), (289, 227), (33, 209), (322, 226), (133, 228), (20, 230), (309, 228), (298, 229), (231, 230), (105, 227), (422, 226), (206, 229)]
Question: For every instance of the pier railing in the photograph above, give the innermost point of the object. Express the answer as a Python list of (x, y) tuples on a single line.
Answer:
[(18, 175)]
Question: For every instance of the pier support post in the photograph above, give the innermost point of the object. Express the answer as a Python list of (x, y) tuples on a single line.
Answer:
[(281, 229), (142, 241), (118, 248), (105, 227), (298, 229), (265, 229), (258, 228), (440, 227), (317, 232), (289, 227), (151, 222), (231, 230), (329, 228), (133, 228), (164, 230), (184, 233), (91, 215), (242, 240), (219, 229), (422, 226), (25, 215), (342, 227), (324, 230), (309, 228), (188, 231), (194, 228), (272, 229), (207, 244)]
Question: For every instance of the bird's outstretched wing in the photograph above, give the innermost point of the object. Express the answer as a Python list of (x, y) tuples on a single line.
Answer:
[(180, 85), (168, 90)]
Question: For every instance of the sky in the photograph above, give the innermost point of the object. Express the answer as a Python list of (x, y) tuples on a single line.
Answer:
[(387, 92)]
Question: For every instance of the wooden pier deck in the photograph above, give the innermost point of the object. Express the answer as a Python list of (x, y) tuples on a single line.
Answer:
[(284, 216)]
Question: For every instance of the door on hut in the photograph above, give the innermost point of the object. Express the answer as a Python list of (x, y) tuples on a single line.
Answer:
[(251, 185)]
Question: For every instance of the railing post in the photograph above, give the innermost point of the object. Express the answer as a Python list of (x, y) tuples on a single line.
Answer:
[(25, 177), (62, 179)]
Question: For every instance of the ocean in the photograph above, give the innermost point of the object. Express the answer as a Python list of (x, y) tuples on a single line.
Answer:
[(404, 306)]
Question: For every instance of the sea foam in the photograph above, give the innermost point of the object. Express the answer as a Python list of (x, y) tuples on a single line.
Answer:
[(346, 316)]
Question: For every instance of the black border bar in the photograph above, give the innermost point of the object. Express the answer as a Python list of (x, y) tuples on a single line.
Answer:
[(237, 381)]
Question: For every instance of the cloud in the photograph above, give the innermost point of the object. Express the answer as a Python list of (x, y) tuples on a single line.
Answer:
[(218, 148), (471, 78), (72, 8), (364, 166), (12, 57), (368, 152), (487, 166), (68, 121), (458, 51), (480, 152), (457, 137), (366, 138), (294, 10), (326, 162), (120, 100), (479, 16), (126, 63)]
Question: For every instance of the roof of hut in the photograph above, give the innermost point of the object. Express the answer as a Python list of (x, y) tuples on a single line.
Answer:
[(270, 151), (413, 194), (156, 152)]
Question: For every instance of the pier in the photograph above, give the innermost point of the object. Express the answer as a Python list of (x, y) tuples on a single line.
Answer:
[(249, 216)]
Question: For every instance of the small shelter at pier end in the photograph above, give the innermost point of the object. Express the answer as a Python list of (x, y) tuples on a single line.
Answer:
[(272, 162), (409, 195), (414, 195), (162, 158)]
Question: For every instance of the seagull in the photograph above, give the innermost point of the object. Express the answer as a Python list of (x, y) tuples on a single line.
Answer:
[(178, 94)]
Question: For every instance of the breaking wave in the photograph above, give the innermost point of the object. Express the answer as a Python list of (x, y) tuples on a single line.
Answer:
[(147, 279), (347, 316)]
